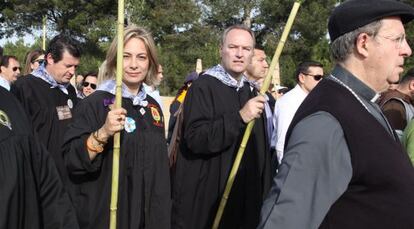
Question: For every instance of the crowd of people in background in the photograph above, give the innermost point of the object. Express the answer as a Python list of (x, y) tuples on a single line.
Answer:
[(335, 151)]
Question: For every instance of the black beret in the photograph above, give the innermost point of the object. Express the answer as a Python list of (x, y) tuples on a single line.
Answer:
[(353, 14)]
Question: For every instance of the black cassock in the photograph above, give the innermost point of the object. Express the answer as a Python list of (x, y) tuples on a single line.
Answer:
[(212, 133), (144, 185), (49, 110), (31, 192)]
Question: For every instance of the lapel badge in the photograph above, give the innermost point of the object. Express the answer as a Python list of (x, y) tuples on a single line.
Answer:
[(4, 120), (130, 125), (142, 111), (70, 103), (155, 114)]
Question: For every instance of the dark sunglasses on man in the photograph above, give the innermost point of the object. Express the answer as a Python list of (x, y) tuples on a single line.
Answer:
[(86, 84), (16, 68), (315, 77)]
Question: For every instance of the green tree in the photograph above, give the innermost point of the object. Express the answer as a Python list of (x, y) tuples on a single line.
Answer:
[(92, 22), (307, 39), (86, 19), (179, 34), (221, 14), (18, 49), (184, 30)]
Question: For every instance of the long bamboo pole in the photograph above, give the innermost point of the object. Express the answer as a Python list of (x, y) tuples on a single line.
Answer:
[(118, 104), (249, 127), (199, 66), (44, 32)]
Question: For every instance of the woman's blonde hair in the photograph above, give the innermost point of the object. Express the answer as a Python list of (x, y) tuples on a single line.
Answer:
[(131, 31)]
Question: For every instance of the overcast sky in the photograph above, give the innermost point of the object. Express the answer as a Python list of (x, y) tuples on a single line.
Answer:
[(28, 38)]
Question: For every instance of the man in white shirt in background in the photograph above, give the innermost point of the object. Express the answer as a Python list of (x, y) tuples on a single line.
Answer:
[(308, 74)]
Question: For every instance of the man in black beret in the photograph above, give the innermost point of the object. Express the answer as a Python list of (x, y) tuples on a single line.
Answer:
[(344, 166)]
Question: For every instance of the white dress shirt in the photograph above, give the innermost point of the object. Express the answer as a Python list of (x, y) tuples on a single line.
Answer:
[(285, 109), (4, 83)]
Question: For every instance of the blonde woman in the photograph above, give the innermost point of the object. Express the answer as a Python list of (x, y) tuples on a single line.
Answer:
[(144, 188)]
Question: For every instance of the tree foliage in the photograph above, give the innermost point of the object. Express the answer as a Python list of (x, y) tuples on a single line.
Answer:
[(86, 19), (184, 30), (308, 37)]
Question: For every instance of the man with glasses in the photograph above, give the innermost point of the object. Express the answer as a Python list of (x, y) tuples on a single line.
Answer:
[(9, 70), (308, 74), (343, 165), (48, 97)]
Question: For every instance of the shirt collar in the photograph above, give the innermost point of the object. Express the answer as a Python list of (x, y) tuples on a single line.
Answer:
[(42, 73), (355, 84), (139, 99), (4, 83), (300, 90)]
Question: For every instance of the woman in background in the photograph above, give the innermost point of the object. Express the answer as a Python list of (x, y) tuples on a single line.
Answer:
[(89, 85), (33, 60)]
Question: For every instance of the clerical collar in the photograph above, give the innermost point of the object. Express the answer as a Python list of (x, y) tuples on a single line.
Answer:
[(221, 74), (139, 99), (355, 84), (42, 73), (4, 83)]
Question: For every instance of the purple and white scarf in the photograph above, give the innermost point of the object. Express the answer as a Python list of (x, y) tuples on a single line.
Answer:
[(139, 99), (41, 73)]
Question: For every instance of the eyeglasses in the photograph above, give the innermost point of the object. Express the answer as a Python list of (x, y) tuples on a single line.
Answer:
[(315, 77), (86, 84), (16, 68), (397, 40)]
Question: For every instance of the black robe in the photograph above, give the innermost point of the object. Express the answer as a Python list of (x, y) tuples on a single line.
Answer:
[(31, 192), (212, 134), (40, 103), (144, 185)]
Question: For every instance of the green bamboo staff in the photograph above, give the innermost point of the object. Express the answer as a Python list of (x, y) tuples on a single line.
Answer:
[(249, 127), (118, 104)]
